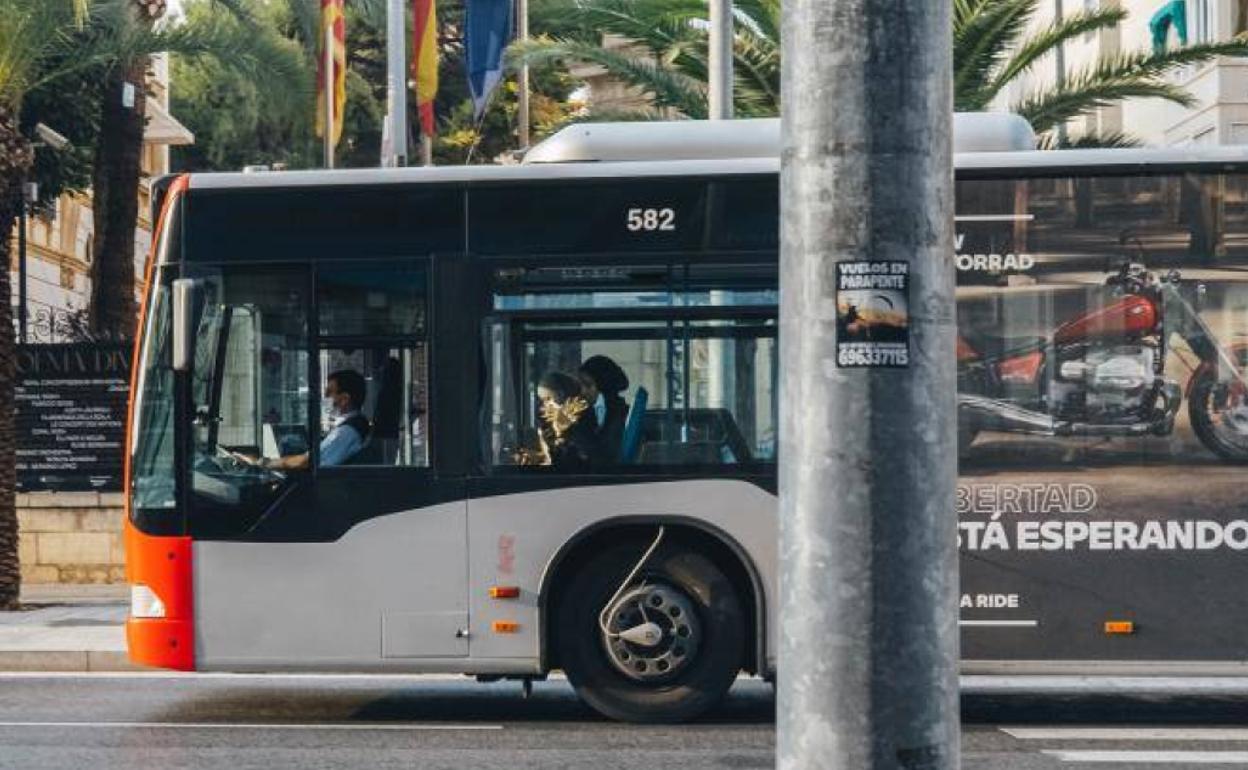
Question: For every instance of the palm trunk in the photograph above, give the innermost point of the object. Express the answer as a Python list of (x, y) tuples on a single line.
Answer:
[(15, 157), (115, 181)]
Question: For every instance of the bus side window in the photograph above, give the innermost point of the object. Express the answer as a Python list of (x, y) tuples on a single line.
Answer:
[(391, 424), (686, 394), (372, 321)]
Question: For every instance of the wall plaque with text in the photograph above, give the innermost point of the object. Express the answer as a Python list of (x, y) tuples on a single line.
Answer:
[(71, 416)]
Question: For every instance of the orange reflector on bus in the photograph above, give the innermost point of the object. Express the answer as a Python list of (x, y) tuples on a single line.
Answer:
[(506, 627), (1119, 627), (504, 592)]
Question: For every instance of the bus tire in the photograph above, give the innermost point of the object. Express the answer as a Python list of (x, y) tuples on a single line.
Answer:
[(687, 579)]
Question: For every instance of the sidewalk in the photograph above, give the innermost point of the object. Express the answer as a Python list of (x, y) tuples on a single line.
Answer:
[(66, 628)]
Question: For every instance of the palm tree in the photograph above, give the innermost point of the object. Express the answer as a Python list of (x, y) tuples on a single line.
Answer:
[(127, 32), (663, 54), (32, 32), (992, 49)]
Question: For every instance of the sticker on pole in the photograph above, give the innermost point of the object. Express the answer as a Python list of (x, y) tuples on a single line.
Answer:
[(872, 314)]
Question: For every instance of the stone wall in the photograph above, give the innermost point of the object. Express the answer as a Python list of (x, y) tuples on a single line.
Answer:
[(70, 537)]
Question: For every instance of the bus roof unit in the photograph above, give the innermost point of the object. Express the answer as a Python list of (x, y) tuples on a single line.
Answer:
[(754, 138)]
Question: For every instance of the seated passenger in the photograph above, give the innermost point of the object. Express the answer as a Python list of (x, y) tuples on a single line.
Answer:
[(345, 391), (602, 380), (565, 424)]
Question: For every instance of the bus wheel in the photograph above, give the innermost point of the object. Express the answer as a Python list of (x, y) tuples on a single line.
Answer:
[(667, 648)]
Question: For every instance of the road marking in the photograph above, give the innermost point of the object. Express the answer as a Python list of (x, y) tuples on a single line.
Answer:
[(1154, 757), (1036, 684), (246, 726), (1000, 623), (1127, 733)]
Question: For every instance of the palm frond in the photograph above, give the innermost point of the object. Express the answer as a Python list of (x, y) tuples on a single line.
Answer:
[(1152, 63), (1047, 40), (31, 32), (1090, 140), (667, 87), (306, 17), (1082, 95), (114, 39), (981, 40), (762, 17)]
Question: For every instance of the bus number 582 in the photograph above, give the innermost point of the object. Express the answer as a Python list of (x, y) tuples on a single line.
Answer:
[(650, 220)]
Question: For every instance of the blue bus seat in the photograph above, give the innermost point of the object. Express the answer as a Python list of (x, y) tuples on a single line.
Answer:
[(632, 427)]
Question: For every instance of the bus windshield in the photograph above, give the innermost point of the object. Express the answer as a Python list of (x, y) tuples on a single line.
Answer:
[(153, 440), (249, 388)]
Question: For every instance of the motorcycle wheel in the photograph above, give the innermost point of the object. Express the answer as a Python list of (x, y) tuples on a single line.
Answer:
[(1219, 412)]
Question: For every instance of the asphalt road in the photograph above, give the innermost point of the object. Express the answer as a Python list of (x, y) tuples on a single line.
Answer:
[(136, 722)]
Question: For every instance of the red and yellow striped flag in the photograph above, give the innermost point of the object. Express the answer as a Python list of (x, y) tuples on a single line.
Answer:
[(332, 17), (425, 61)]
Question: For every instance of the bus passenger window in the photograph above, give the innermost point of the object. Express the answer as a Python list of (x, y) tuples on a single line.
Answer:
[(374, 406), (597, 397)]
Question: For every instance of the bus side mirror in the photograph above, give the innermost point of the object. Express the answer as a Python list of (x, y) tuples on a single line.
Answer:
[(184, 303)]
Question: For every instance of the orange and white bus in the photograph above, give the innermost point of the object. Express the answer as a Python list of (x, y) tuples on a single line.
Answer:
[(561, 385)]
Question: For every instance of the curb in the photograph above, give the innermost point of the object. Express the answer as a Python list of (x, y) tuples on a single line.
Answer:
[(67, 660)]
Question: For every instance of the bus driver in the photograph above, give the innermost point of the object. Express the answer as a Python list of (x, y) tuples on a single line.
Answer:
[(344, 391)]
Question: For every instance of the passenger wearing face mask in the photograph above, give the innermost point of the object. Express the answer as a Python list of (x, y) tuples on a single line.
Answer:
[(344, 395), (602, 380)]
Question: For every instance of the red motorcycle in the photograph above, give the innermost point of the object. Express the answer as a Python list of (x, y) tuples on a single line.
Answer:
[(1103, 373)]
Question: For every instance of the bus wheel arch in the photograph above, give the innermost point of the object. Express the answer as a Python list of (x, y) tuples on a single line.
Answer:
[(708, 541)]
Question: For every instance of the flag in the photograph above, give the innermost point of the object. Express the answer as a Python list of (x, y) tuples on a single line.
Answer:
[(425, 60), (487, 30), (332, 17)]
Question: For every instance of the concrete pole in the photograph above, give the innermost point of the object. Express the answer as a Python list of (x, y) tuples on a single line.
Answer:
[(720, 60), (868, 540), (523, 117), (396, 81)]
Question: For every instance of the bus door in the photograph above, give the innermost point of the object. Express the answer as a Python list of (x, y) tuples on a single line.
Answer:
[(403, 514)]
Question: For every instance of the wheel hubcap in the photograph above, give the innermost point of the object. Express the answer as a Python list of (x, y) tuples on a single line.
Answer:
[(652, 632)]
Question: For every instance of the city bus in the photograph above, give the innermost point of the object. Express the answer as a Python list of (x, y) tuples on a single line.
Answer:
[(559, 382)]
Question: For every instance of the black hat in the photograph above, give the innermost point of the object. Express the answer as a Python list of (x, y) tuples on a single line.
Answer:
[(605, 373)]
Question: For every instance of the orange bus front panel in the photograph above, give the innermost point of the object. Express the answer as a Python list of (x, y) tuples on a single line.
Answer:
[(163, 566)]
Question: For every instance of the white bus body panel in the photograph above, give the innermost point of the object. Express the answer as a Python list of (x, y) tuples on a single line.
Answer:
[(389, 590), (397, 593)]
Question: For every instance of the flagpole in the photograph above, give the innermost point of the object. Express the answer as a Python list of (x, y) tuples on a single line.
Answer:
[(396, 81), (720, 60), (329, 95), (522, 14)]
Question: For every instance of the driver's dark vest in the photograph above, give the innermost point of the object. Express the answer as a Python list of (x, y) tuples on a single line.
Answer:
[(358, 423)]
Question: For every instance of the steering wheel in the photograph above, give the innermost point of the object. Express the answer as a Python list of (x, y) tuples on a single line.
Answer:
[(233, 462), (229, 461)]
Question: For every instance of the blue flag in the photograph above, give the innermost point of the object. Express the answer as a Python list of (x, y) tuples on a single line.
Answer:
[(487, 32)]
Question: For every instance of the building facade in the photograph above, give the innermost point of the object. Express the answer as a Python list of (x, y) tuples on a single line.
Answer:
[(59, 249), (1220, 87), (75, 537)]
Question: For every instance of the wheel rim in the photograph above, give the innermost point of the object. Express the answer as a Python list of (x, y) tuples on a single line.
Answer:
[(1228, 414), (652, 632)]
